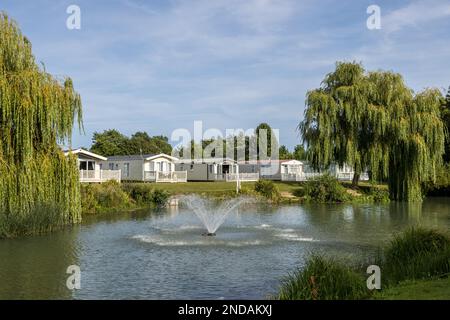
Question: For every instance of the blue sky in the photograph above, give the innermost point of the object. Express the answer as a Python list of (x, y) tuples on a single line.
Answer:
[(159, 65)]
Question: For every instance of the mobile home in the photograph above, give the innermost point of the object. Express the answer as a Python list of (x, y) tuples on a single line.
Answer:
[(91, 169), (146, 167)]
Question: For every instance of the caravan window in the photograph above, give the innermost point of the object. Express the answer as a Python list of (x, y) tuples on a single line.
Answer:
[(126, 167)]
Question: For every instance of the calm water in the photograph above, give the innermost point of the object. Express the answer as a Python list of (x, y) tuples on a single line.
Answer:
[(162, 255)]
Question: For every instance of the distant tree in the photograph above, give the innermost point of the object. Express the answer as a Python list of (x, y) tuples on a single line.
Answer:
[(299, 152), (284, 153), (162, 142), (109, 143), (112, 142)]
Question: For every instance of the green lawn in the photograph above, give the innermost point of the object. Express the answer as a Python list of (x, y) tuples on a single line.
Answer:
[(436, 289)]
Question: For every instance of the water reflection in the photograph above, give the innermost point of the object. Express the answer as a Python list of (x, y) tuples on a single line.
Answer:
[(155, 254), (35, 268)]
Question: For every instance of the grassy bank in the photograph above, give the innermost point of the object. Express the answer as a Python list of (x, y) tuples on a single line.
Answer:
[(433, 289), (288, 191), (417, 259)]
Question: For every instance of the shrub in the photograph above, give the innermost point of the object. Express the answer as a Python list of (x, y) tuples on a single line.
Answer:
[(379, 195), (267, 189), (325, 189), (139, 192), (160, 197), (417, 253), (145, 194), (107, 196), (324, 279)]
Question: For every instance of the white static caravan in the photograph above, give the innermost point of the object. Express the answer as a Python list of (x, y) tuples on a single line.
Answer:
[(146, 167), (90, 166), (294, 170), (214, 169), (273, 169)]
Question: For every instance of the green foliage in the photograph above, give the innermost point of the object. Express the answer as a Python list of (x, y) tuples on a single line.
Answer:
[(37, 111), (42, 219), (379, 195), (109, 143), (325, 189), (415, 254), (146, 194), (160, 197), (284, 153), (112, 142), (299, 152), (324, 279), (267, 189), (104, 197), (445, 115), (441, 185), (374, 121)]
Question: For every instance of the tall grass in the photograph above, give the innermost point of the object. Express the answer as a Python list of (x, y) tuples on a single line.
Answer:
[(414, 254), (324, 279), (417, 253), (42, 219)]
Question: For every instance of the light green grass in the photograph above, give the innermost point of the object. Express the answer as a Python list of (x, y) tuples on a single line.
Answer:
[(435, 289)]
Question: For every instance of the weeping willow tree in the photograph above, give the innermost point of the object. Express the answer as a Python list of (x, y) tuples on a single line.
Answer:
[(374, 121), (333, 117), (39, 186)]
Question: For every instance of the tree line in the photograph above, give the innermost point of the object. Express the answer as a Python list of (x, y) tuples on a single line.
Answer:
[(111, 142)]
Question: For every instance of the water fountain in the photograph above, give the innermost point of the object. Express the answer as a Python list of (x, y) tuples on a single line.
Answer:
[(211, 215)]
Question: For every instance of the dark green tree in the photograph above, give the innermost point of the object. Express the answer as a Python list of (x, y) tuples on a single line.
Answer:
[(284, 153), (110, 143), (113, 143), (299, 152)]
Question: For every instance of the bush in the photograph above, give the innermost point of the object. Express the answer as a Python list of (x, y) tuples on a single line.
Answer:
[(160, 197), (145, 194), (267, 189), (379, 195), (415, 254), (139, 192), (107, 196), (325, 189), (324, 279)]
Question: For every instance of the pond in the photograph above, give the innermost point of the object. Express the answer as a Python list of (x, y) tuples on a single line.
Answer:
[(163, 255)]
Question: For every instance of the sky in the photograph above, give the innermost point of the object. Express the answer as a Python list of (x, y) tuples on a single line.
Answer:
[(158, 66)]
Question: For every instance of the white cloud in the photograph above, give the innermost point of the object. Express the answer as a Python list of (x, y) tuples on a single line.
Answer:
[(416, 14)]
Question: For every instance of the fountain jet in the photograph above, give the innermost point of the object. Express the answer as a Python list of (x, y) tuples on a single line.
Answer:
[(211, 215)]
